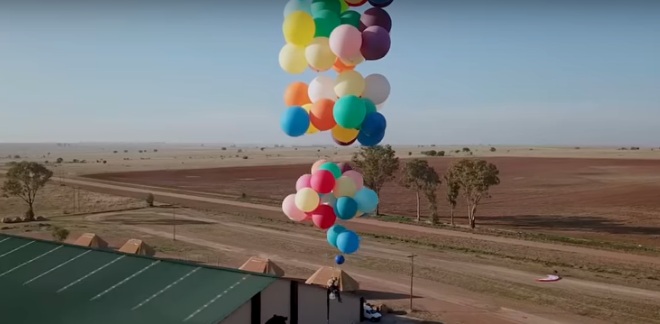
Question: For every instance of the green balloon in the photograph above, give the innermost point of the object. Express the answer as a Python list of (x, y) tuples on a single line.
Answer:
[(350, 17), (320, 5), (349, 111), (326, 21), (332, 168), (370, 106)]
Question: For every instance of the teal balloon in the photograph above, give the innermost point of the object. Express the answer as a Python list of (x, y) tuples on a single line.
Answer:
[(350, 17), (332, 233), (297, 5), (346, 208), (367, 200), (370, 106), (348, 242), (349, 111), (332, 167), (326, 21), (320, 5)]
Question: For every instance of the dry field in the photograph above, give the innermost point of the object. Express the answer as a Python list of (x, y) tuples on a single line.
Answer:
[(605, 199), (460, 277)]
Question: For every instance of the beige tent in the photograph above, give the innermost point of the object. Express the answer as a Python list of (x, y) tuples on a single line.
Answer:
[(91, 240), (261, 265), (135, 246), (324, 274)]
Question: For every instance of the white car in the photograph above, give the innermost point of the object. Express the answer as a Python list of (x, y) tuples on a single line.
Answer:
[(370, 314)]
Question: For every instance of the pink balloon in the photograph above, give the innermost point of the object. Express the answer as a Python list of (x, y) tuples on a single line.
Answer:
[(346, 41), (356, 177), (322, 181), (304, 182), (290, 210)]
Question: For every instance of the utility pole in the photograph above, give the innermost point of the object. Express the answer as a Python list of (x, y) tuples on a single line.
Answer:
[(412, 275), (173, 223)]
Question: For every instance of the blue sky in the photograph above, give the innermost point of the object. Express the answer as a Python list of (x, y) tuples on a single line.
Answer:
[(462, 72)]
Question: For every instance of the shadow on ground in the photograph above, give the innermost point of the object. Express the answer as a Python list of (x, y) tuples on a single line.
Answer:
[(568, 223), (394, 319)]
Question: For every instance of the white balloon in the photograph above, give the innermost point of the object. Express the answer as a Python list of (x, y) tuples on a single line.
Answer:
[(322, 87), (380, 106), (377, 88)]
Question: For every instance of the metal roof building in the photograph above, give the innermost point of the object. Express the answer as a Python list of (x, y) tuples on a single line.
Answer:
[(47, 282)]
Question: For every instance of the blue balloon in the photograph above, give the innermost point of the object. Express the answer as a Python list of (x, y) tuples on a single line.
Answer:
[(373, 124), (366, 140), (295, 121), (380, 3), (348, 242), (367, 200), (333, 232), (297, 5), (339, 259), (346, 208)]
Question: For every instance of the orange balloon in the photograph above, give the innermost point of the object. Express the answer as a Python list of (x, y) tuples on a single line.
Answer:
[(340, 66), (296, 94), (321, 114)]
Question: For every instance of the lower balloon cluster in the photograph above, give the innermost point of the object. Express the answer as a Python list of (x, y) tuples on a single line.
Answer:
[(331, 194)]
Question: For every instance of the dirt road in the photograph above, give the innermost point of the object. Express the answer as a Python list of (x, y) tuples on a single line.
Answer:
[(119, 188)]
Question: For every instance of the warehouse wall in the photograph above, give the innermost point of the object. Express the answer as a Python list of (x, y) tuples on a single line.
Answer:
[(312, 306), (241, 315)]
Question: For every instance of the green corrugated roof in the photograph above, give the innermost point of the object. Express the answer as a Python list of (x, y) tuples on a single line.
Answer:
[(47, 282)]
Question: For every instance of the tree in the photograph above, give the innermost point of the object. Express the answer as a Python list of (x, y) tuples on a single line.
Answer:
[(378, 165), (420, 177), (59, 160), (59, 234), (150, 199), (475, 177), (24, 180), (453, 190)]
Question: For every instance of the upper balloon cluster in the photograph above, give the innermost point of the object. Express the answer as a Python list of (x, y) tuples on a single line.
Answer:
[(325, 34)]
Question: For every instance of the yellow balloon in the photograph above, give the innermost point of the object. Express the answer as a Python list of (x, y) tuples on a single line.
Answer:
[(299, 28), (311, 129), (344, 5), (344, 134), (318, 54), (344, 187), (349, 82), (292, 59), (307, 199)]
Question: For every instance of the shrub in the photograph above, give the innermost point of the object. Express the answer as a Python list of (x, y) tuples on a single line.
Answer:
[(150, 200), (59, 234), (466, 149), (492, 149), (59, 160)]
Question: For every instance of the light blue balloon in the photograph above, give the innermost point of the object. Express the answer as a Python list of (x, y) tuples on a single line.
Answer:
[(346, 208), (297, 5), (367, 200), (333, 232), (295, 121), (348, 242)]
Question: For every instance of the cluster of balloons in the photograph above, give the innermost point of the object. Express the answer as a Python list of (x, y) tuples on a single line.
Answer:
[(331, 192), (326, 35)]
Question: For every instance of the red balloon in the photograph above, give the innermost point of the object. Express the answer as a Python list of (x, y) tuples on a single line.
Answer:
[(322, 181), (355, 3), (324, 217), (344, 143)]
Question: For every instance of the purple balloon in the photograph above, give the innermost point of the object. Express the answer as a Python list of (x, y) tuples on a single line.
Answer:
[(375, 17), (344, 167), (375, 43), (380, 3)]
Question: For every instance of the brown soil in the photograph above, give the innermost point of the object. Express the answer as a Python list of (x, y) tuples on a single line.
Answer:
[(596, 198)]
